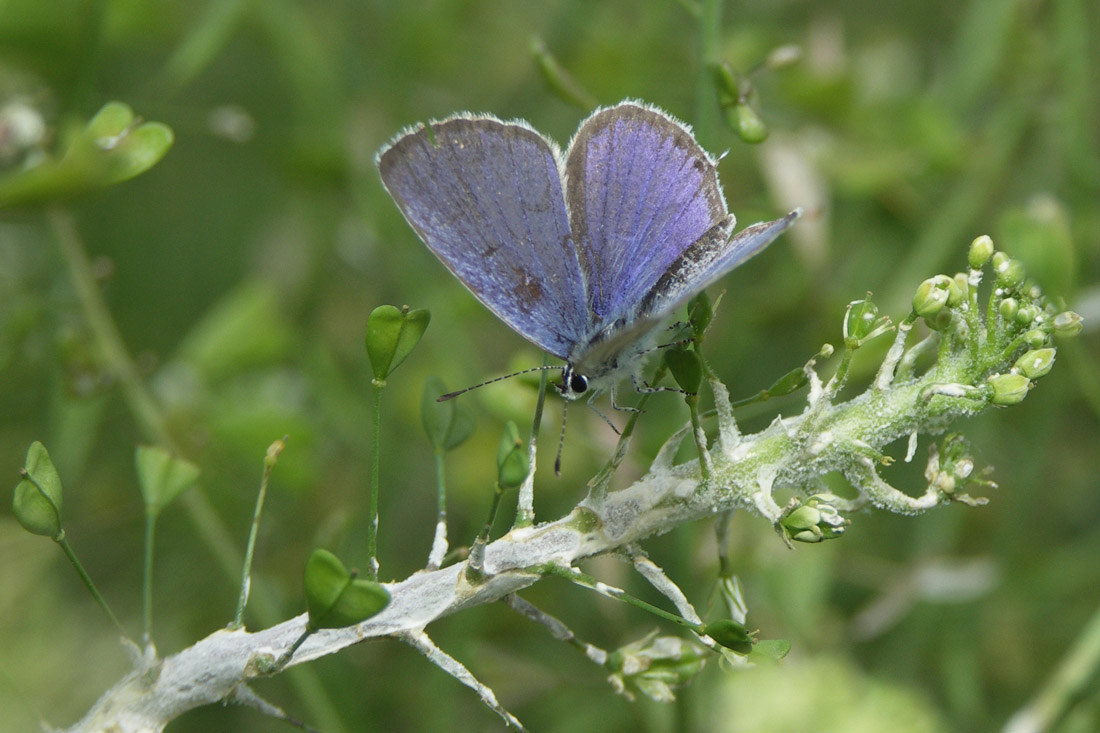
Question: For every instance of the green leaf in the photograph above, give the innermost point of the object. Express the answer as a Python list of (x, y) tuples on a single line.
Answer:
[(162, 476), (113, 147), (39, 514), (391, 334), (448, 424), (512, 466), (686, 368), (335, 598)]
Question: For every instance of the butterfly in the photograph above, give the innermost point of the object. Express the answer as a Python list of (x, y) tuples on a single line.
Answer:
[(585, 253)]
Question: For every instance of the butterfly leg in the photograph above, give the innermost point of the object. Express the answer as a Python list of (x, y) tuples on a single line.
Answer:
[(644, 388)]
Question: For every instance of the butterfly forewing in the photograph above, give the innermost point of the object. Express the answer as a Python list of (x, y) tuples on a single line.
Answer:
[(640, 191), (486, 197)]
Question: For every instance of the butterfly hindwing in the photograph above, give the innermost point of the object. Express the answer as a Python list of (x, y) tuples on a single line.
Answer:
[(708, 259), (486, 197), (640, 191)]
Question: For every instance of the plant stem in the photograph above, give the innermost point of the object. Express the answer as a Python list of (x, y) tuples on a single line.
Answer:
[(375, 489), (246, 574), (147, 579), (439, 543), (587, 581), (60, 540), (206, 522), (710, 41), (525, 504), (477, 552)]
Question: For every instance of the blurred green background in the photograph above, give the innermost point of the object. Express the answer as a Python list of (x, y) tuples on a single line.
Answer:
[(240, 271)]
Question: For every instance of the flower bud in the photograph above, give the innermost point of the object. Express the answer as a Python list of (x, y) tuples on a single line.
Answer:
[(859, 320), (1035, 338), (958, 289), (815, 520), (655, 666), (1026, 315), (1010, 273), (1036, 363), (1009, 389), (931, 296), (981, 249), (1067, 323), (1008, 308), (746, 123)]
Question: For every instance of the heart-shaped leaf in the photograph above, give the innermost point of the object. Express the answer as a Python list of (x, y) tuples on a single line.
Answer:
[(335, 598), (39, 514), (448, 423), (512, 465), (686, 368), (391, 334), (112, 147), (162, 476)]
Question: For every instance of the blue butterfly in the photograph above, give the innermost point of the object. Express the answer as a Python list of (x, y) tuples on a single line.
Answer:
[(583, 254)]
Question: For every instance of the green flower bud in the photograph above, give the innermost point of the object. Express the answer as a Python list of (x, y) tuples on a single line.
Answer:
[(859, 320), (731, 635), (1067, 323), (931, 296), (1009, 389), (1026, 315), (512, 466), (958, 290), (1035, 338), (1010, 273), (746, 123), (815, 520), (981, 249), (37, 501), (1008, 308), (700, 314), (1036, 363), (654, 666)]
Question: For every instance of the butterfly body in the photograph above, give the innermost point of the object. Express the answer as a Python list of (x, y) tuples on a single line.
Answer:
[(584, 253)]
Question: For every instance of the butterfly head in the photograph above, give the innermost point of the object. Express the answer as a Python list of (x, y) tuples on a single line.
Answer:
[(574, 385)]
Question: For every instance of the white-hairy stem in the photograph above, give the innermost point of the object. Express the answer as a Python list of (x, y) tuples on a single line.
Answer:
[(792, 453)]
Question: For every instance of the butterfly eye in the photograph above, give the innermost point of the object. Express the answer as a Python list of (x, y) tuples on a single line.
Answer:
[(578, 383)]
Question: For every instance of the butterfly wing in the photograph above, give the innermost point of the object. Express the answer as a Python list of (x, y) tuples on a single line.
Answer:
[(705, 261), (640, 192), (486, 197)]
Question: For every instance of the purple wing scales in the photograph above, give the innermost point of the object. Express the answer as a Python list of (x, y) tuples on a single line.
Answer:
[(641, 191), (486, 197)]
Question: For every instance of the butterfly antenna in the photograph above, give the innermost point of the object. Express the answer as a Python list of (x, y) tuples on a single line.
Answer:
[(561, 438), (452, 395)]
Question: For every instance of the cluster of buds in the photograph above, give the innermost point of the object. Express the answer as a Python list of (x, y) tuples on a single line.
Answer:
[(813, 520), (1020, 320), (950, 469), (655, 666)]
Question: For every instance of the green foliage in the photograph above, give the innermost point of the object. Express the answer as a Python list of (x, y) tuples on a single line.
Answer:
[(113, 147), (162, 476), (392, 333), (335, 597), (37, 502)]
